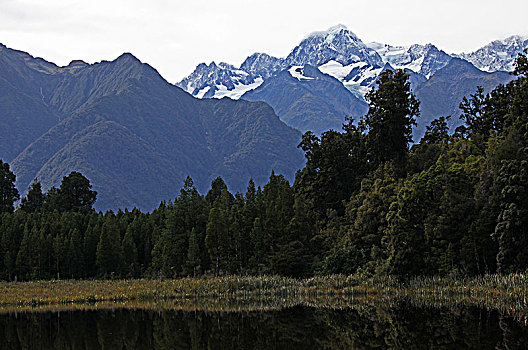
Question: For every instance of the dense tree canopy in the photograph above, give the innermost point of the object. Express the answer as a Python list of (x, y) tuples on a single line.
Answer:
[(453, 204)]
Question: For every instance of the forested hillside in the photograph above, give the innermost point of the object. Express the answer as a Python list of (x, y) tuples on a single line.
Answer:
[(131, 132), (453, 204)]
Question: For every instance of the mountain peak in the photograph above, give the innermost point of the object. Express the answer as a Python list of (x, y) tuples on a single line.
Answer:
[(513, 39), (338, 28), (338, 44), (335, 30), (261, 64), (128, 57), (497, 55), (77, 63)]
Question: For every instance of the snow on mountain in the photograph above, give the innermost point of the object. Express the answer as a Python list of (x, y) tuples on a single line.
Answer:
[(357, 77), (337, 70), (338, 44), (298, 73), (237, 90), (306, 99), (497, 55), (261, 64), (219, 80), (339, 53), (424, 59)]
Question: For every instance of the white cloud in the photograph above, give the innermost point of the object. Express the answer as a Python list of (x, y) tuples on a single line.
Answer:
[(174, 36)]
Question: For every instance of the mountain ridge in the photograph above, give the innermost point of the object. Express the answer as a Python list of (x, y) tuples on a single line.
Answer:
[(137, 137), (339, 53)]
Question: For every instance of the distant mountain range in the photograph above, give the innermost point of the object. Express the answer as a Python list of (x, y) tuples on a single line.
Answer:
[(303, 103), (135, 136)]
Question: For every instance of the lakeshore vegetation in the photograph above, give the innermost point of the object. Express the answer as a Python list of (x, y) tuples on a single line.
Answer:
[(506, 294), (454, 204)]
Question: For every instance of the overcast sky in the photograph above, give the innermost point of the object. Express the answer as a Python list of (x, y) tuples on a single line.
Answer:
[(174, 36)]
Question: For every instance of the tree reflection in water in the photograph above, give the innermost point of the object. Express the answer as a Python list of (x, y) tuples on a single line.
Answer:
[(298, 327)]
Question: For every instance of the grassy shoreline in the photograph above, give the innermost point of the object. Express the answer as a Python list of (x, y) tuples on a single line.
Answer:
[(508, 293)]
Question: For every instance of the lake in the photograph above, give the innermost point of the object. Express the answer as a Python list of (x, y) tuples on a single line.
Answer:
[(360, 326)]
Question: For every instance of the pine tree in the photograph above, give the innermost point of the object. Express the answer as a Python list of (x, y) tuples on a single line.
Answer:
[(130, 254), (260, 249), (34, 199), (76, 254), (8, 192), (109, 253), (217, 239), (91, 240), (193, 255), (75, 193), (23, 260)]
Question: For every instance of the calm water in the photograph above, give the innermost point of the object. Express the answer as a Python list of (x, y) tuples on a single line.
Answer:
[(400, 327)]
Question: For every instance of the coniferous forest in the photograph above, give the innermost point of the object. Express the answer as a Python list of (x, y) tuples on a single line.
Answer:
[(366, 202)]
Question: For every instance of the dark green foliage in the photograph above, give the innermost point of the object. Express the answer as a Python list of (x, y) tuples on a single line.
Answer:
[(130, 254), (335, 165), (75, 193), (194, 260), (511, 229), (360, 245), (442, 93), (437, 131), (453, 205), (217, 238), (218, 186), (34, 199), (8, 192), (109, 250), (391, 116)]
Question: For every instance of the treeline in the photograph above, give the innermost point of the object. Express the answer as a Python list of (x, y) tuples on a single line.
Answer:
[(55, 235), (453, 204)]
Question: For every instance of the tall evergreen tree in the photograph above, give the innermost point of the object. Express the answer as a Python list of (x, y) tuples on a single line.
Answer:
[(34, 199), (259, 240), (23, 260), (109, 253), (193, 254), (217, 239), (130, 255), (76, 254), (75, 193), (392, 113), (8, 192)]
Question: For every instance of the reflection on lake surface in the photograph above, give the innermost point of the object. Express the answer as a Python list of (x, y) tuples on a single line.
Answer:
[(399, 326)]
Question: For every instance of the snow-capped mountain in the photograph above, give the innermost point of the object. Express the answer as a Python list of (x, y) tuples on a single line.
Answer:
[(424, 59), (497, 55), (338, 53), (219, 80), (338, 44)]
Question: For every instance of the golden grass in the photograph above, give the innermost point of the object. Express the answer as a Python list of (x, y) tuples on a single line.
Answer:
[(508, 293)]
